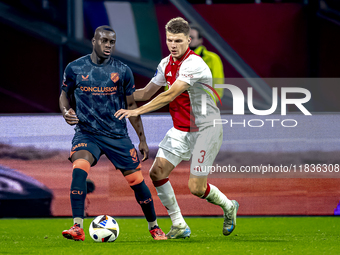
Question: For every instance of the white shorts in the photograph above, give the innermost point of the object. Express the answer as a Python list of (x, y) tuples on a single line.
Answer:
[(203, 146)]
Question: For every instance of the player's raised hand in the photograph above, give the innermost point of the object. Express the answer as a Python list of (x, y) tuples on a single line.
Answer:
[(144, 149), (125, 113), (70, 117)]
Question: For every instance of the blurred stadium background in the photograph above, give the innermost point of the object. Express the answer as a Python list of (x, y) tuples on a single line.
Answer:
[(256, 39)]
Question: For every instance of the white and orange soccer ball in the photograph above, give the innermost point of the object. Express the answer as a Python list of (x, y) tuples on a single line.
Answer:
[(104, 229)]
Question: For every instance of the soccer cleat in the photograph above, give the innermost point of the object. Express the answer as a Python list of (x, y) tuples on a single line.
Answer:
[(157, 233), (230, 219), (179, 232), (75, 233)]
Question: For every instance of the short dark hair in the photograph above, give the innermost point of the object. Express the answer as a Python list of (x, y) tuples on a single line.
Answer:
[(178, 25), (105, 27), (197, 29)]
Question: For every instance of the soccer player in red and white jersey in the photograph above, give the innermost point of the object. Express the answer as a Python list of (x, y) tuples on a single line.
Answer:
[(193, 111)]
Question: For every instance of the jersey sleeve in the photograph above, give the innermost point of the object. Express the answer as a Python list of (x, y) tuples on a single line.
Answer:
[(193, 70), (129, 82), (159, 78), (69, 80)]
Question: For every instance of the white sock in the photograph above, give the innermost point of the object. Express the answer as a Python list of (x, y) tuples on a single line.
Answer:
[(152, 224), (79, 221), (166, 194), (216, 197)]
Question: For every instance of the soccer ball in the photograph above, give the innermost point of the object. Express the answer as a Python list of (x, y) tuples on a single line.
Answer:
[(104, 229)]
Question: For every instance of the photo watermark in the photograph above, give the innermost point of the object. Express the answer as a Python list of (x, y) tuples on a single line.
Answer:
[(271, 119)]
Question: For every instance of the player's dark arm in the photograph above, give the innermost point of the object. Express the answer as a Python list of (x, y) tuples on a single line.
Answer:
[(65, 108), (137, 124), (147, 92)]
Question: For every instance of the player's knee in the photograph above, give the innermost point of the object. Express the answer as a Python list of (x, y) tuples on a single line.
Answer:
[(156, 173), (196, 188), (134, 178), (81, 164), (82, 154)]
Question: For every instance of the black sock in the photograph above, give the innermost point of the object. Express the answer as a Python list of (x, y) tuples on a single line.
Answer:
[(144, 199), (78, 192)]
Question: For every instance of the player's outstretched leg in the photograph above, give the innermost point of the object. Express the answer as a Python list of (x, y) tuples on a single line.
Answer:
[(144, 199), (230, 207), (81, 168), (165, 192)]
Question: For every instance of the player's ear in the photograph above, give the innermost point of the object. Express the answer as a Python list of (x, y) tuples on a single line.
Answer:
[(93, 41)]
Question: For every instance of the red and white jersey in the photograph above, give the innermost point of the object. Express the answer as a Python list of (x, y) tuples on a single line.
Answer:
[(195, 107)]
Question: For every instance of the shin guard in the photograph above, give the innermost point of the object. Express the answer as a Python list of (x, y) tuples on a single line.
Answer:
[(78, 188), (142, 194)]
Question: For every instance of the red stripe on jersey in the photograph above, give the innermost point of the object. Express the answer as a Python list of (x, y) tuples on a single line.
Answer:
[(180, 108)]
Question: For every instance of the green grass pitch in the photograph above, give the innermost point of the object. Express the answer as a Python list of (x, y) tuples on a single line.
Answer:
[(253, 235)]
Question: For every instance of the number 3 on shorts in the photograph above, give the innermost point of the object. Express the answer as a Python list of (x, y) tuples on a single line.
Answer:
[(203, 154)]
